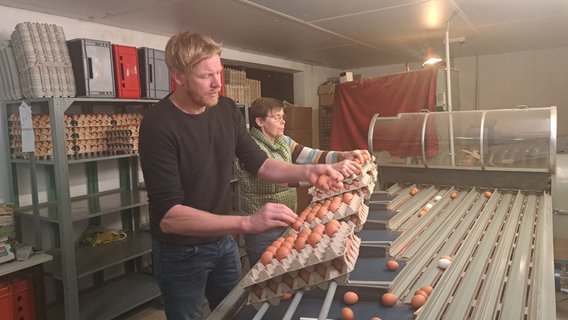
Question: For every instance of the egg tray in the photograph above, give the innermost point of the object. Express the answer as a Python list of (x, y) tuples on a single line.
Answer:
[(366, 183), (330, 259), (344, 212)]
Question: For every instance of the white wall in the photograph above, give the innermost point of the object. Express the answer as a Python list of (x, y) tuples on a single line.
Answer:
[(307, 77), (534, 78)]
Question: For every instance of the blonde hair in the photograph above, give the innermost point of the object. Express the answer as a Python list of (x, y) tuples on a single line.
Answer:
[(185, 50)]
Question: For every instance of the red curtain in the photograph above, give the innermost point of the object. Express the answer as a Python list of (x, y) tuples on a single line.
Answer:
[(356, 102)]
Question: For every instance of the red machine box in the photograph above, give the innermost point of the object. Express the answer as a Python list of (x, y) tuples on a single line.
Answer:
[(17, 299), (92, 67), (126, 71)]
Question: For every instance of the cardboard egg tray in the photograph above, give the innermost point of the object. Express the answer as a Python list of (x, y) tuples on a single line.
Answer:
[(330, 259), (356, 212), (364, 181)]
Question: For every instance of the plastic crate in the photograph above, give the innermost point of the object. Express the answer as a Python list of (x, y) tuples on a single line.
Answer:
[(92, 67), (126, 71), (154, 74)]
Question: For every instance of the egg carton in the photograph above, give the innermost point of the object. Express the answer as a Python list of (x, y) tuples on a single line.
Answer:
[(327, 249), (364, 182), (310, 276), (356, 212)]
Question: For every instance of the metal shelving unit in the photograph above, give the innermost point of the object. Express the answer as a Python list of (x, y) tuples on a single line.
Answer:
[(61, 211)]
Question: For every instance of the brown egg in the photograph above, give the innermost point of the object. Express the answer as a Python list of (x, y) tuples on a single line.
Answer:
[(322, 212), (488, 194), (292, 237), (286, 244), (319, 228), (388, 299), (323, 182), (421, 292), (286, 296), (347, 197), (314, 238), (417, 301), (413, 191), (427, 289), (350, 298), (272, 249), (331, 227), (376, 318), (296, 225), (305, 232), (347, 314), (300, 243), (454, 195), (266, 257), (310, 217), (392, 265), (282, 253)]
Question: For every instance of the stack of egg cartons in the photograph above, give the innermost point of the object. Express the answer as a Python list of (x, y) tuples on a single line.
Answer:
[(122, 138), (43, 61), (10, 88)]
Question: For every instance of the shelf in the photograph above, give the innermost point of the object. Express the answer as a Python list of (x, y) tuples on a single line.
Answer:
[(93, 259), (114, 299), (82, 207), (72, 160), (90, 100)]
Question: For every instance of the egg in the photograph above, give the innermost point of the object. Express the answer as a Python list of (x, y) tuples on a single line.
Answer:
[(286, 296), (347, 314), (282, 253), (444, 263), (286, 244), (437, 198), (347, 197), (305, 232), (314, 238), (350, 298), (310, 217), (300, 243), (323, 182), (388, 299), (446, 257), (376, 318), (488, 194), (392, 265), (266, 257), (272, 249), (417, 301), (296, 225), (421, 292), (331, 227), (413, 191), (454, 195), (319, 228), (427, 289)]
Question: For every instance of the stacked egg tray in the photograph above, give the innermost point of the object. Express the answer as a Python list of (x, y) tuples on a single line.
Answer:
[(86, 135), (43, 61), (364, 181), (331, 258)]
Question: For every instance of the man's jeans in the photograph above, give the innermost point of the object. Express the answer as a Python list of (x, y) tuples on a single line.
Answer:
[(188, 275)]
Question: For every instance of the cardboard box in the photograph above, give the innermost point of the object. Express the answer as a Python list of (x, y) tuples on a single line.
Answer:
[(325, 92), (326, 99), (302, 136), (298, 117)]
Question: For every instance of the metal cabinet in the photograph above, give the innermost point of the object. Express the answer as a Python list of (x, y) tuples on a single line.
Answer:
[(54, 206)]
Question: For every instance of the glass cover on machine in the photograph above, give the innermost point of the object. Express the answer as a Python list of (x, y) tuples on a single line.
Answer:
[(503, 139)]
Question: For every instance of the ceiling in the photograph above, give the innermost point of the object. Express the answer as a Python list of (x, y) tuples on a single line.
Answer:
[(342, 34)]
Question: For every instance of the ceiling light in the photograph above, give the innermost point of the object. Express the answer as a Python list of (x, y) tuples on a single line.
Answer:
[(431, 58)]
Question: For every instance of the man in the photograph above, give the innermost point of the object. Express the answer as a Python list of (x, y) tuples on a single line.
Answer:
[(187, 145)]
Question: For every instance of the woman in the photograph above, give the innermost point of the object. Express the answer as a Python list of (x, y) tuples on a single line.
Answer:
[(267, 122)]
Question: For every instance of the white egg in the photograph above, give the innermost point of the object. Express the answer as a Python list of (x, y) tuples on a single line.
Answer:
[(437, 198), (429, 205), (444, 263)]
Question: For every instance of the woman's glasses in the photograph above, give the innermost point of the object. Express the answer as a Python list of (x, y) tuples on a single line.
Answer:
[(278, 117)]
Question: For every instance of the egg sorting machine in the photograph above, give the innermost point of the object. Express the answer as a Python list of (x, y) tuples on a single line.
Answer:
[(484, 178)]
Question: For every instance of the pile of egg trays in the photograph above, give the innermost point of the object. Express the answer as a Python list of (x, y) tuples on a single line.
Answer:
[(43, 60), (85, 134), (331, 258), (364, 181), (10, 87), (361, 186)]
